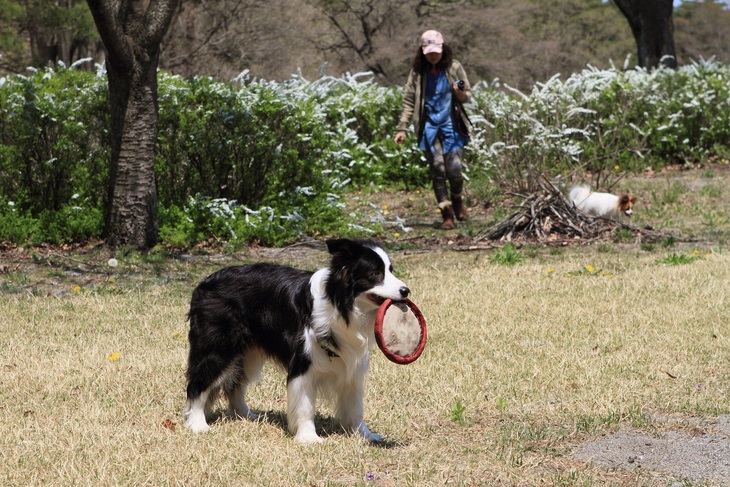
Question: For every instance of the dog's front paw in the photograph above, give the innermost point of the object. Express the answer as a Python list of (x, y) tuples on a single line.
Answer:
[(305, 433), (308, 438), (363, 431), (375, 438)]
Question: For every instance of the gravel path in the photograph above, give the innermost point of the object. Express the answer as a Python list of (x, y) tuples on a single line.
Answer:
[(699, 452)]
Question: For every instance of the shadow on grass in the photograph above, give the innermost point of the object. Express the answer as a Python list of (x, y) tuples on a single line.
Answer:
[(326, 425)]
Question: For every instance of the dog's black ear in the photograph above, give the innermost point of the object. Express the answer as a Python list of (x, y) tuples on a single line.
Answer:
[(353, 249), (344, 246), (340, 284)]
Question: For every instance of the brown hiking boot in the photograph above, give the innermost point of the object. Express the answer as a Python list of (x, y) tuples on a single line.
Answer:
[(447, 213), (459, 209)]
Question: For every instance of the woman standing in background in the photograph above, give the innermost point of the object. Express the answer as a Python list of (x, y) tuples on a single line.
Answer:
[(428, 101)]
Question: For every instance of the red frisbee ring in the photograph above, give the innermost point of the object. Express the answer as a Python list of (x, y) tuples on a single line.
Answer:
[(390, 343)]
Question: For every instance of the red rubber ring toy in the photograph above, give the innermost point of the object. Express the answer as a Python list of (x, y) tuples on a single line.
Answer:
[(380, 316)]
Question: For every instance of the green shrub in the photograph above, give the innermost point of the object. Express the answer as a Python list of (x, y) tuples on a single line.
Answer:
[(283, 154), (53, 138), (251, 144), (73, 222), (225, 221), (16, 225)]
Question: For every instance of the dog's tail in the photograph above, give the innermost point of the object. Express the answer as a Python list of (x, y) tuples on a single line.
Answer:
[(578, 194)]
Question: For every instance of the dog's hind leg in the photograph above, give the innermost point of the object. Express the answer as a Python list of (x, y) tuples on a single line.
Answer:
[(204, 384), (251, 364), (196, 410)]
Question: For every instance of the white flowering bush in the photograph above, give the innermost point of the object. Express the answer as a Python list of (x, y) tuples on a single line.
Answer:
[(361, 116), (603, 121), (254, 160)]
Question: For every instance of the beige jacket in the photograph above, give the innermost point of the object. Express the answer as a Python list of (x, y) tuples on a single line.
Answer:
[(414, 101)]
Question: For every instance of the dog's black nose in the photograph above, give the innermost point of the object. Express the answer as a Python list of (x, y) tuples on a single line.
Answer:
[(404, 291)]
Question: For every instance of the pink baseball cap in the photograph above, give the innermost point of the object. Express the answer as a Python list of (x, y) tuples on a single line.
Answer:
[(431, 41)]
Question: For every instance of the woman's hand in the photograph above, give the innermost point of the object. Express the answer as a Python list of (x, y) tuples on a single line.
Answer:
[(400, 136), (461, 95)]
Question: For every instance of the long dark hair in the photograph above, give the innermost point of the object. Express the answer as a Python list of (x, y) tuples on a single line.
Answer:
[(421, 64)]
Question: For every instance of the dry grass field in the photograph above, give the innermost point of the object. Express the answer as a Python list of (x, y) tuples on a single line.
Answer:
[(530, 354)]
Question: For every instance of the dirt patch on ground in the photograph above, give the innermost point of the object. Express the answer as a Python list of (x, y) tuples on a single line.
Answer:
[(698, 451)]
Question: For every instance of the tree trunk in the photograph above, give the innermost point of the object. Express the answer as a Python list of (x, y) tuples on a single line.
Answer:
[(653, 28), (132, 212), (132, 32)]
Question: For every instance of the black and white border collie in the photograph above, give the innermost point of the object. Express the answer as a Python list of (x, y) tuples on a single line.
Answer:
[(317, 325)]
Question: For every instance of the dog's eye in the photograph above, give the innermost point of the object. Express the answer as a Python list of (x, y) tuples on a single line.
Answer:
[(370, 277)]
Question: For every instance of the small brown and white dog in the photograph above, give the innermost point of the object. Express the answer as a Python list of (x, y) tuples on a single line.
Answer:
[(602, 204)]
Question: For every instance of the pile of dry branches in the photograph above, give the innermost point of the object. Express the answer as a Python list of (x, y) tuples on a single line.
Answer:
[(547, 216)]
